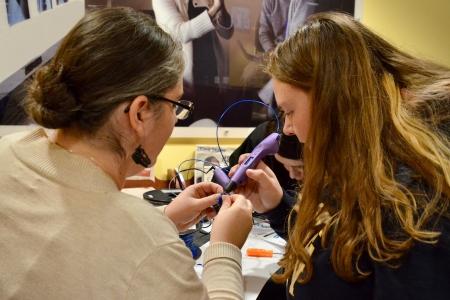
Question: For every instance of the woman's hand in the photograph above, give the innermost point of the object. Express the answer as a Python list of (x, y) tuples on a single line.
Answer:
[(233, 222), (194, 203), (261, 188)]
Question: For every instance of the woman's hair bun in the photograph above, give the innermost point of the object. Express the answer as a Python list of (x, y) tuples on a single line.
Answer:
[(49, 101)]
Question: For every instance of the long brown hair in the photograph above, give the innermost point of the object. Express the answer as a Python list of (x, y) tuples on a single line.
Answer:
[(109, 57), (374, 110)]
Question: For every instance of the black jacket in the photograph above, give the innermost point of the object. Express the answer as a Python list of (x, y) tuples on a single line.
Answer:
[(424, 272)]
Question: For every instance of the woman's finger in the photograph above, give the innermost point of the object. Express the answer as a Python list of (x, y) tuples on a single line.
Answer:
[(205, 202), (204, 189), (233, 170), (260, 176), (226, 202), (210, 213), (243, 157)]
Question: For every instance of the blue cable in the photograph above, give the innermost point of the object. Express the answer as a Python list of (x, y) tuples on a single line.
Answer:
[(230, 107), (188, 238)]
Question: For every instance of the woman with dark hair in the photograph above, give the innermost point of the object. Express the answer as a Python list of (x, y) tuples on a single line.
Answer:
[(111, 94), (372, 218)]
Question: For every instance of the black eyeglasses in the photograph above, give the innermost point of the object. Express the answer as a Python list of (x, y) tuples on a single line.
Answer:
[(183, 108)]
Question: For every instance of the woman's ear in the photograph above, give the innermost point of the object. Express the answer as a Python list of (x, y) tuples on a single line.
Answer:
[(138, 107)]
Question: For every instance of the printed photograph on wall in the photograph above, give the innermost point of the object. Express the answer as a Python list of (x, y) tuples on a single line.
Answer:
[(224, 63), (206, 157), (17, 11), (44, 5), (223, 52)]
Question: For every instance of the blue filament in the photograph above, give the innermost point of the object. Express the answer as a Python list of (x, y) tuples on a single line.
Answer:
[(188, 238)]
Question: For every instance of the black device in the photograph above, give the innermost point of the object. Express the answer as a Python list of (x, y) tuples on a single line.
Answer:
[(161, 197)]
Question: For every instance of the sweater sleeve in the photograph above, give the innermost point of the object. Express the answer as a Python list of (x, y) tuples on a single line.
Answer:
[(222, 273), (278, 217), (168, 273), (169, 17)]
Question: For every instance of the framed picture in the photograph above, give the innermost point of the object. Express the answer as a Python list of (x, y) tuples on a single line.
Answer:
[(224, 65), (206, 157), (44, 5), (17, 11)]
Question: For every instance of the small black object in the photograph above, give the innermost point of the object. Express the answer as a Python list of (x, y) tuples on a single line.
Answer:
[(33, 65), (158, 197), (140, 157)]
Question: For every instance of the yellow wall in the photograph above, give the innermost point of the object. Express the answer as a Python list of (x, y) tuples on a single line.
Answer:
[(419, 27), (179, 150)]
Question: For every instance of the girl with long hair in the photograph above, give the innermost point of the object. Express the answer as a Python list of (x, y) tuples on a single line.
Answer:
[(372, 218)]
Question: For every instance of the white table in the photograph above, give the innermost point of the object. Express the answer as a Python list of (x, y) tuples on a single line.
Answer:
[(256, 270)]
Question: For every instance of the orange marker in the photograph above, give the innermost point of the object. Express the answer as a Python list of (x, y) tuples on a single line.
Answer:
[(257, 252)]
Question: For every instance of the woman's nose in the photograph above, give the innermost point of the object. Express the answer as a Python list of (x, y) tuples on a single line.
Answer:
[(287, 127)]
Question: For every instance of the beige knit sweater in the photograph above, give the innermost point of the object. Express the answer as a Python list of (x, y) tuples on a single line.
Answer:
[(67, 232)]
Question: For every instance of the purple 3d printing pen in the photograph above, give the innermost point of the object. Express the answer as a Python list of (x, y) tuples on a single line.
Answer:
[(268, 146), (221, 177)]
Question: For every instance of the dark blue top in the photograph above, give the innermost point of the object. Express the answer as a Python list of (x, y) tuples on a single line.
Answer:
[(424, 272)]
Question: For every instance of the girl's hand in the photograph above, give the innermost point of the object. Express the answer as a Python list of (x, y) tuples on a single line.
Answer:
[(261, 188)]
